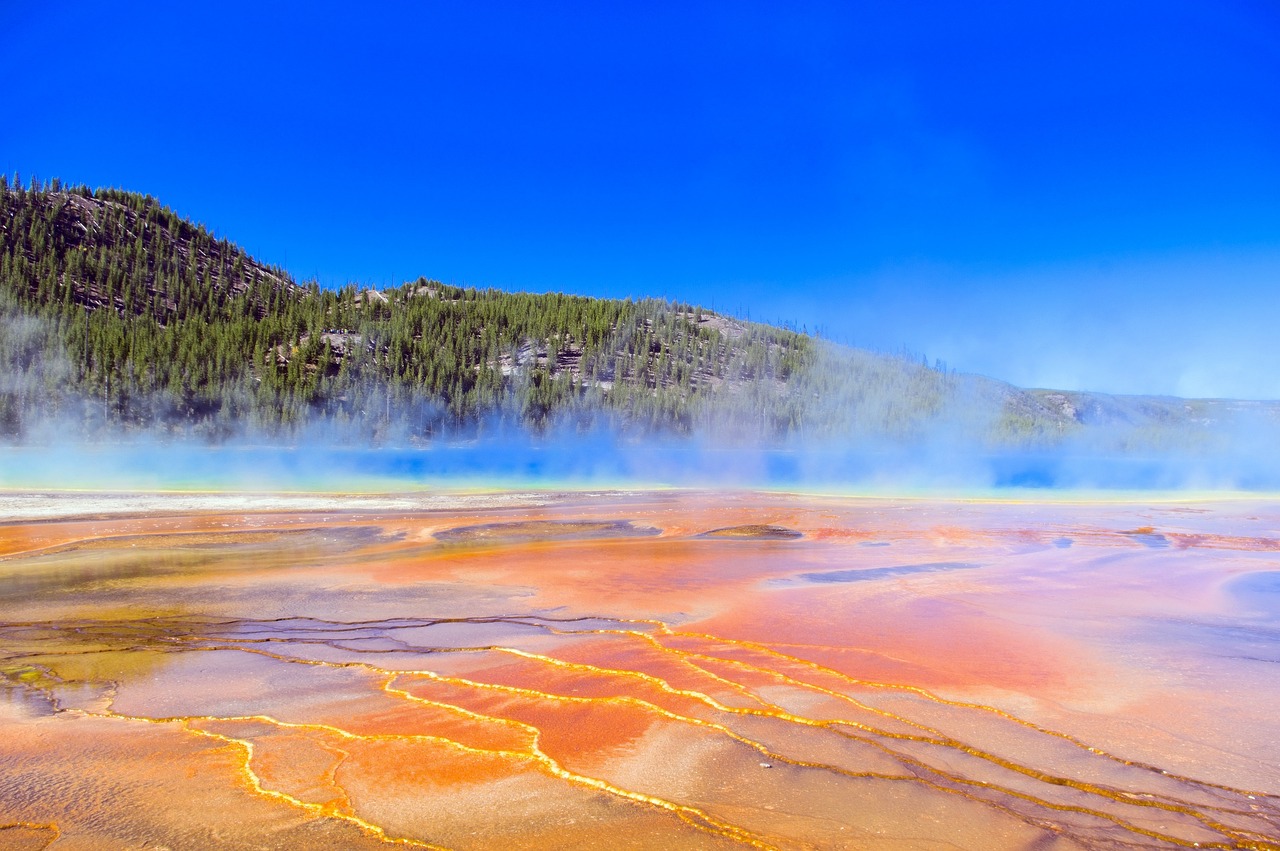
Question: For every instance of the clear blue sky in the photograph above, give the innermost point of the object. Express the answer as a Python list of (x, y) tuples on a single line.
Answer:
[(1080, 195)]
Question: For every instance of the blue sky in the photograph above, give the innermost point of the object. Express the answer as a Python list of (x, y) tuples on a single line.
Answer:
[(1080, 195)]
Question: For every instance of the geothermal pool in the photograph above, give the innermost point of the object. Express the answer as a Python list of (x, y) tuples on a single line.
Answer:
[(638, 670)]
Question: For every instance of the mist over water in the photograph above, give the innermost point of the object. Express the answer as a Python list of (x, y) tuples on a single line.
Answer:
[(610, 461), (864, 422)]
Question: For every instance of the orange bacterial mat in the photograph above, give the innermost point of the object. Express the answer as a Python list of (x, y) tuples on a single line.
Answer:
[(648, 670)]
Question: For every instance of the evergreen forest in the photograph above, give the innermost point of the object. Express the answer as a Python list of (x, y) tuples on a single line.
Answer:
[(117, 315)]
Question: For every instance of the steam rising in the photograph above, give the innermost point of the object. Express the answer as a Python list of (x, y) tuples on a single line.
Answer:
[(932, 461), (862, 422)]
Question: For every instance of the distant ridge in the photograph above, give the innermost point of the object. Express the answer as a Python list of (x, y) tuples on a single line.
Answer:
[(121, 316)]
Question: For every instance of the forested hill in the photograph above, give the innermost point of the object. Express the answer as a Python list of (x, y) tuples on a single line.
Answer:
[(120, 315)]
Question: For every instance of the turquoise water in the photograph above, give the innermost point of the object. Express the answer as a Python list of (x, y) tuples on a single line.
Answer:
[(604, 463)]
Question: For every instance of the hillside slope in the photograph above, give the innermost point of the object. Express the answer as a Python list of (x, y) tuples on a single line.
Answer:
[(119, 314)]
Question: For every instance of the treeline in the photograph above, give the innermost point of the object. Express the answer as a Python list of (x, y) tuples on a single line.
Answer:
[(118, 313)]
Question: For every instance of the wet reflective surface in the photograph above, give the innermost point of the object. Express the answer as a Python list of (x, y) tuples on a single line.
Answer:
[(648, 670)]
